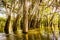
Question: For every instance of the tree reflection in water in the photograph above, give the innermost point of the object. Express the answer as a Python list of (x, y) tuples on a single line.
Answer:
[(38, 36)]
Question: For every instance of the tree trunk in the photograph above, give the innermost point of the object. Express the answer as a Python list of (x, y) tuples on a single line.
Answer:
[(25, 20), (25, 17), (7, 25), (15, 24)]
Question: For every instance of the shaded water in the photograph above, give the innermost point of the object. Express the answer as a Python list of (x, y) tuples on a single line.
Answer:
[(3, 36)]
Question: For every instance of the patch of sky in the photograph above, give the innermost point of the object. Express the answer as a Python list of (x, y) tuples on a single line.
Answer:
[(2, 12), (3, 15)]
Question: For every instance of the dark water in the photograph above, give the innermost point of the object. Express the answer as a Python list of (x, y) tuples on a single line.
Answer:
[(3, 36)]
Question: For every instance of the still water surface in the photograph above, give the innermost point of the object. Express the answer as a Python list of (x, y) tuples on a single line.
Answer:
[(3, 36)]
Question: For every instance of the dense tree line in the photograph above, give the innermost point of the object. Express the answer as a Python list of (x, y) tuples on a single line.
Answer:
[(32, 14)]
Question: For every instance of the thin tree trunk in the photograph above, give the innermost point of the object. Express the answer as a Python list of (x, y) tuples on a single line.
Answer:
[(25, 20)]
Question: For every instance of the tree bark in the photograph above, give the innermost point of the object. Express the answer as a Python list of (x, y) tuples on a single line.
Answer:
[(25, 20), (7, 25), (25, 17), (15, 24)]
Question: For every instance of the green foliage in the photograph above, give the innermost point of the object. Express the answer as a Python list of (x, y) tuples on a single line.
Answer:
[(2, 23)]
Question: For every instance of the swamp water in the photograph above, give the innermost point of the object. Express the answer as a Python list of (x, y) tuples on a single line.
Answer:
[(3, 36)]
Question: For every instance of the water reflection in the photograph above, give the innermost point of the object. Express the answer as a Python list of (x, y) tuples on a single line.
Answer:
[(10, 37), (38, 36), (13, 37), (25, 36)]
